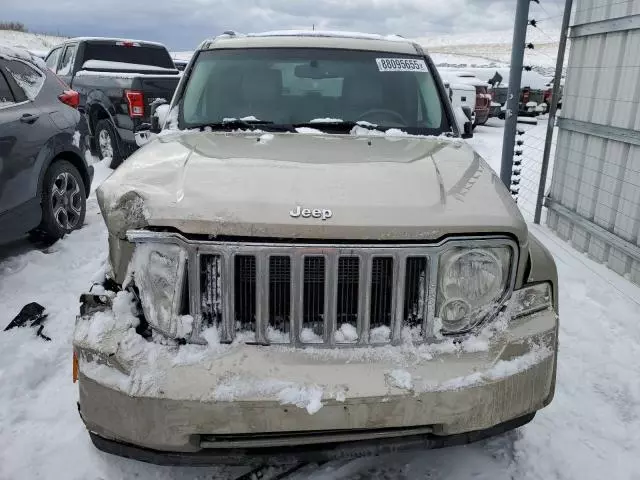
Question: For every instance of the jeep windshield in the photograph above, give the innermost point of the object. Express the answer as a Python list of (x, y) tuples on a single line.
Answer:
[(330, 90)]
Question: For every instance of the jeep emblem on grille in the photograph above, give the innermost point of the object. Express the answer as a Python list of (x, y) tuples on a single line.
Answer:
[(323, 213)]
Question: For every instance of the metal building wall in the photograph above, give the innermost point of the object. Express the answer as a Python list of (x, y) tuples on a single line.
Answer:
[(594, 201)]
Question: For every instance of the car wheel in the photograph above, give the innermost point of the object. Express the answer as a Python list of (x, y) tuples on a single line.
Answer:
[(107, 144), (64, 202)]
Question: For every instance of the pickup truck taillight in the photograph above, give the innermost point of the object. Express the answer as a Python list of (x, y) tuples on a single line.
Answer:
[(135, 99), (70, 97)]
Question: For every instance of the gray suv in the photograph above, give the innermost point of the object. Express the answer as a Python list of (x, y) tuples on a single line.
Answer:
[(307, 261), (44, 177)]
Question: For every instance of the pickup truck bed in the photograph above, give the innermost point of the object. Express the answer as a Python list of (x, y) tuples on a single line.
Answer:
[(117, 80)]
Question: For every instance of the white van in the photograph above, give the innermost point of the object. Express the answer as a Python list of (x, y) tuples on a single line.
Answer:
[(461, 95)]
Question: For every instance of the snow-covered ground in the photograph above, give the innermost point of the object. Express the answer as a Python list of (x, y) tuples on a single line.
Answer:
[(590, 431)]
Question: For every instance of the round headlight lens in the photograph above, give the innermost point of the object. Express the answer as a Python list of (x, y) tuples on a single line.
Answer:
[(454, 315), (474, 275)]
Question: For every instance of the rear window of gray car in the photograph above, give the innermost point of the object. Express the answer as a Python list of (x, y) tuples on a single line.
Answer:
[(6, 97), (27, 78)]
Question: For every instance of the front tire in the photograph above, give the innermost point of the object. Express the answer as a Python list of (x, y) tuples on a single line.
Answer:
[(64, 202), (107, 143)]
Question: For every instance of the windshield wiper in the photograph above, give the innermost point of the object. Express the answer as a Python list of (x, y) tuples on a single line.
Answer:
[(249, 124), (339, 126)]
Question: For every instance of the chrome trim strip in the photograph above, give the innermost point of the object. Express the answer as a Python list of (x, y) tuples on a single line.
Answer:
[(397, 301), (13, 105), (262, 297), (364, 312), (429, 328), (315, 438), (297, 292), (228, 308), (193, 271), (330, 298)]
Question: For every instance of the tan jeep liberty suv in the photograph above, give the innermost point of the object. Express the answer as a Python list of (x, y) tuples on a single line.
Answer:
[(308, 261)]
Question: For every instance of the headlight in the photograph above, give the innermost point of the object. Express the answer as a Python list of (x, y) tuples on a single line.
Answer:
[(158, 272), (471, 282)]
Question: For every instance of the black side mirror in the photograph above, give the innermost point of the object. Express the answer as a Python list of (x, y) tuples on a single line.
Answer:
[(468, 130), (155, 124), (468, 125)]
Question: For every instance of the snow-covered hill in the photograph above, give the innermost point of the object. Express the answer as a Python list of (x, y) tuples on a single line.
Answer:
[(493, 48), (504, 37), (460, 50), (35, 42)]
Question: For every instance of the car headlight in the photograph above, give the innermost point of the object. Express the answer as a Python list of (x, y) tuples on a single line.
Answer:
[(471, 281), (159, 273)]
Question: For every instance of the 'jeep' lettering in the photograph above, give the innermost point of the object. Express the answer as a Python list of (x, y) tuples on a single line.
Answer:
[(321, 213)]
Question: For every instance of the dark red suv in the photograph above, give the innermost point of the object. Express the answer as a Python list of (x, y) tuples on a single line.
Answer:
[(483, 104)]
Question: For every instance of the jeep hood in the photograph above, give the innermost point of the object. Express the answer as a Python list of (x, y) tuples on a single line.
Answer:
[(245, 184)]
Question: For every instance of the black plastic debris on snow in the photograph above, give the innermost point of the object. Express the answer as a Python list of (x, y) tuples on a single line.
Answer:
[(33, 314), (265, 472)]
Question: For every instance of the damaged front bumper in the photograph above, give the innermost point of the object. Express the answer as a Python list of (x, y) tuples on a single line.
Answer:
[(234, 403), (405, 440)]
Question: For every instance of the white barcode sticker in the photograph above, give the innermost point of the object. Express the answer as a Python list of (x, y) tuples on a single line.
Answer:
[(401, 65)]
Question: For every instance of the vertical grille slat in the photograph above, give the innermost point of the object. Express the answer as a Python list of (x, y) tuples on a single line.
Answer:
[(245, 293), (262, 297), (297, 296), (279, 299), (330, 299), (397, 294), (313, 300), (381, 299), (364, 302)]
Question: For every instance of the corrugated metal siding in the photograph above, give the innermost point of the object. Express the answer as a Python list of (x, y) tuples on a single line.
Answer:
[(588, 11), (595, 178)]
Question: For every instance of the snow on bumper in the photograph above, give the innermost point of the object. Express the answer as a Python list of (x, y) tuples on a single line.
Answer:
[(171, 398)]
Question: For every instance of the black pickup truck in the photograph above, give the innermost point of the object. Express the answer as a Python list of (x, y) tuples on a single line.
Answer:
[(117, 80)]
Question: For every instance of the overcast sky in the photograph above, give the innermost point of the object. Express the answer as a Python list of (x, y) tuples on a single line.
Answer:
[(182, 24)]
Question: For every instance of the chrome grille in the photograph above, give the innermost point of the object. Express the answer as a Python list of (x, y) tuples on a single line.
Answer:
[(321, 295), (337, 300)]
